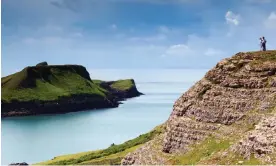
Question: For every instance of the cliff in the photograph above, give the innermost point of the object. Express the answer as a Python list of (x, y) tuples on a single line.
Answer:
[(228, 117), (50, 89)]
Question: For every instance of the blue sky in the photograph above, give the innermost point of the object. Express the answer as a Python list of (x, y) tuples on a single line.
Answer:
[(132, 34)]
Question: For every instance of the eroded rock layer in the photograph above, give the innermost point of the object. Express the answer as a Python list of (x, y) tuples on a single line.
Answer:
[(261, 142), (226, 94)]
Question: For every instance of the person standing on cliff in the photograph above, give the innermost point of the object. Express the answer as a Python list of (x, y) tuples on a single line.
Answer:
[(263, 43)]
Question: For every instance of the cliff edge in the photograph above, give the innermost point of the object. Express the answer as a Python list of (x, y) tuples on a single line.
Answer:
[(51, 89), (228, 117)]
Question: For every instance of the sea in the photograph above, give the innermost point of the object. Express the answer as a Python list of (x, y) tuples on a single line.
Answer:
[(35, 139)]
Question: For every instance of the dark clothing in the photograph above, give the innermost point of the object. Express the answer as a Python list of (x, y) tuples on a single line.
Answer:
[(263, 42)]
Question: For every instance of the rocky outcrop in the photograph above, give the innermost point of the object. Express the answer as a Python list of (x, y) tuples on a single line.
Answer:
[(261, 142), (149, 154), (226, 95), (121, 94), (62, 105)]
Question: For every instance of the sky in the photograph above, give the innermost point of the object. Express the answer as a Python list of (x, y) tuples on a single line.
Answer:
[(132, 34)]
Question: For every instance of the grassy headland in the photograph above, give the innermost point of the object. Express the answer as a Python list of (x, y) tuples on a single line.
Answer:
[(57, 86)]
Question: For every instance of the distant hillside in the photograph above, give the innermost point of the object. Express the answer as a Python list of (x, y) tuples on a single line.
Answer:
[(58, 89)]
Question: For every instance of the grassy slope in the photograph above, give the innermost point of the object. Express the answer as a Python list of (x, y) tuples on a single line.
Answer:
[(209, 152), (36, 83), (123, 84), (59, 82), (111, 155)]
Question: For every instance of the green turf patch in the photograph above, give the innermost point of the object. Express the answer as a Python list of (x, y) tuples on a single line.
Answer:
[(233, 159), (201, 151), (123, 84), (46, 83), (112, 154)]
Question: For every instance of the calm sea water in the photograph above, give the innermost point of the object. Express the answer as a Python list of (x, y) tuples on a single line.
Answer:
[(37, 138)]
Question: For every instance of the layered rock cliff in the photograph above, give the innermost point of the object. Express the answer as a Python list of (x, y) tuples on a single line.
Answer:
[(228, 117)]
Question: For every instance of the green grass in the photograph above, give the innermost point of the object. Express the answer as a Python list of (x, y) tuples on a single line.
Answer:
[(201, 151), (112, 154), (261, 57), (268, 56), (48, 83), (97, 81), (113, 159), (123, 84), (55, 83), (234, 159)]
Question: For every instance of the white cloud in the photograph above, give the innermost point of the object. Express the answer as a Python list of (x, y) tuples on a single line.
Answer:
[(173, 42), (179, 50), (114, 27), (232, 18), (195, 47), (272, 16), (270, 22)]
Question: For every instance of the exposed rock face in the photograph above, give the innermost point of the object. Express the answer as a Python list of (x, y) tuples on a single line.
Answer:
[(149, 154), (259, 142), (62, 105), (235, 86), (121, 94)]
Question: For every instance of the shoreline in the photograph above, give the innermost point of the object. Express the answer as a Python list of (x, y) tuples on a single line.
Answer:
[(63, 105)]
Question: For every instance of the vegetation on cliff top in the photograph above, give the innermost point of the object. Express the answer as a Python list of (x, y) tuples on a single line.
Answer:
[(111, 155), (47, 83), (123, 84)]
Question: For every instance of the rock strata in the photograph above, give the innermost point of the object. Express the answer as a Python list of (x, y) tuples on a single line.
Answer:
[(261, 141), (226, 95)]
